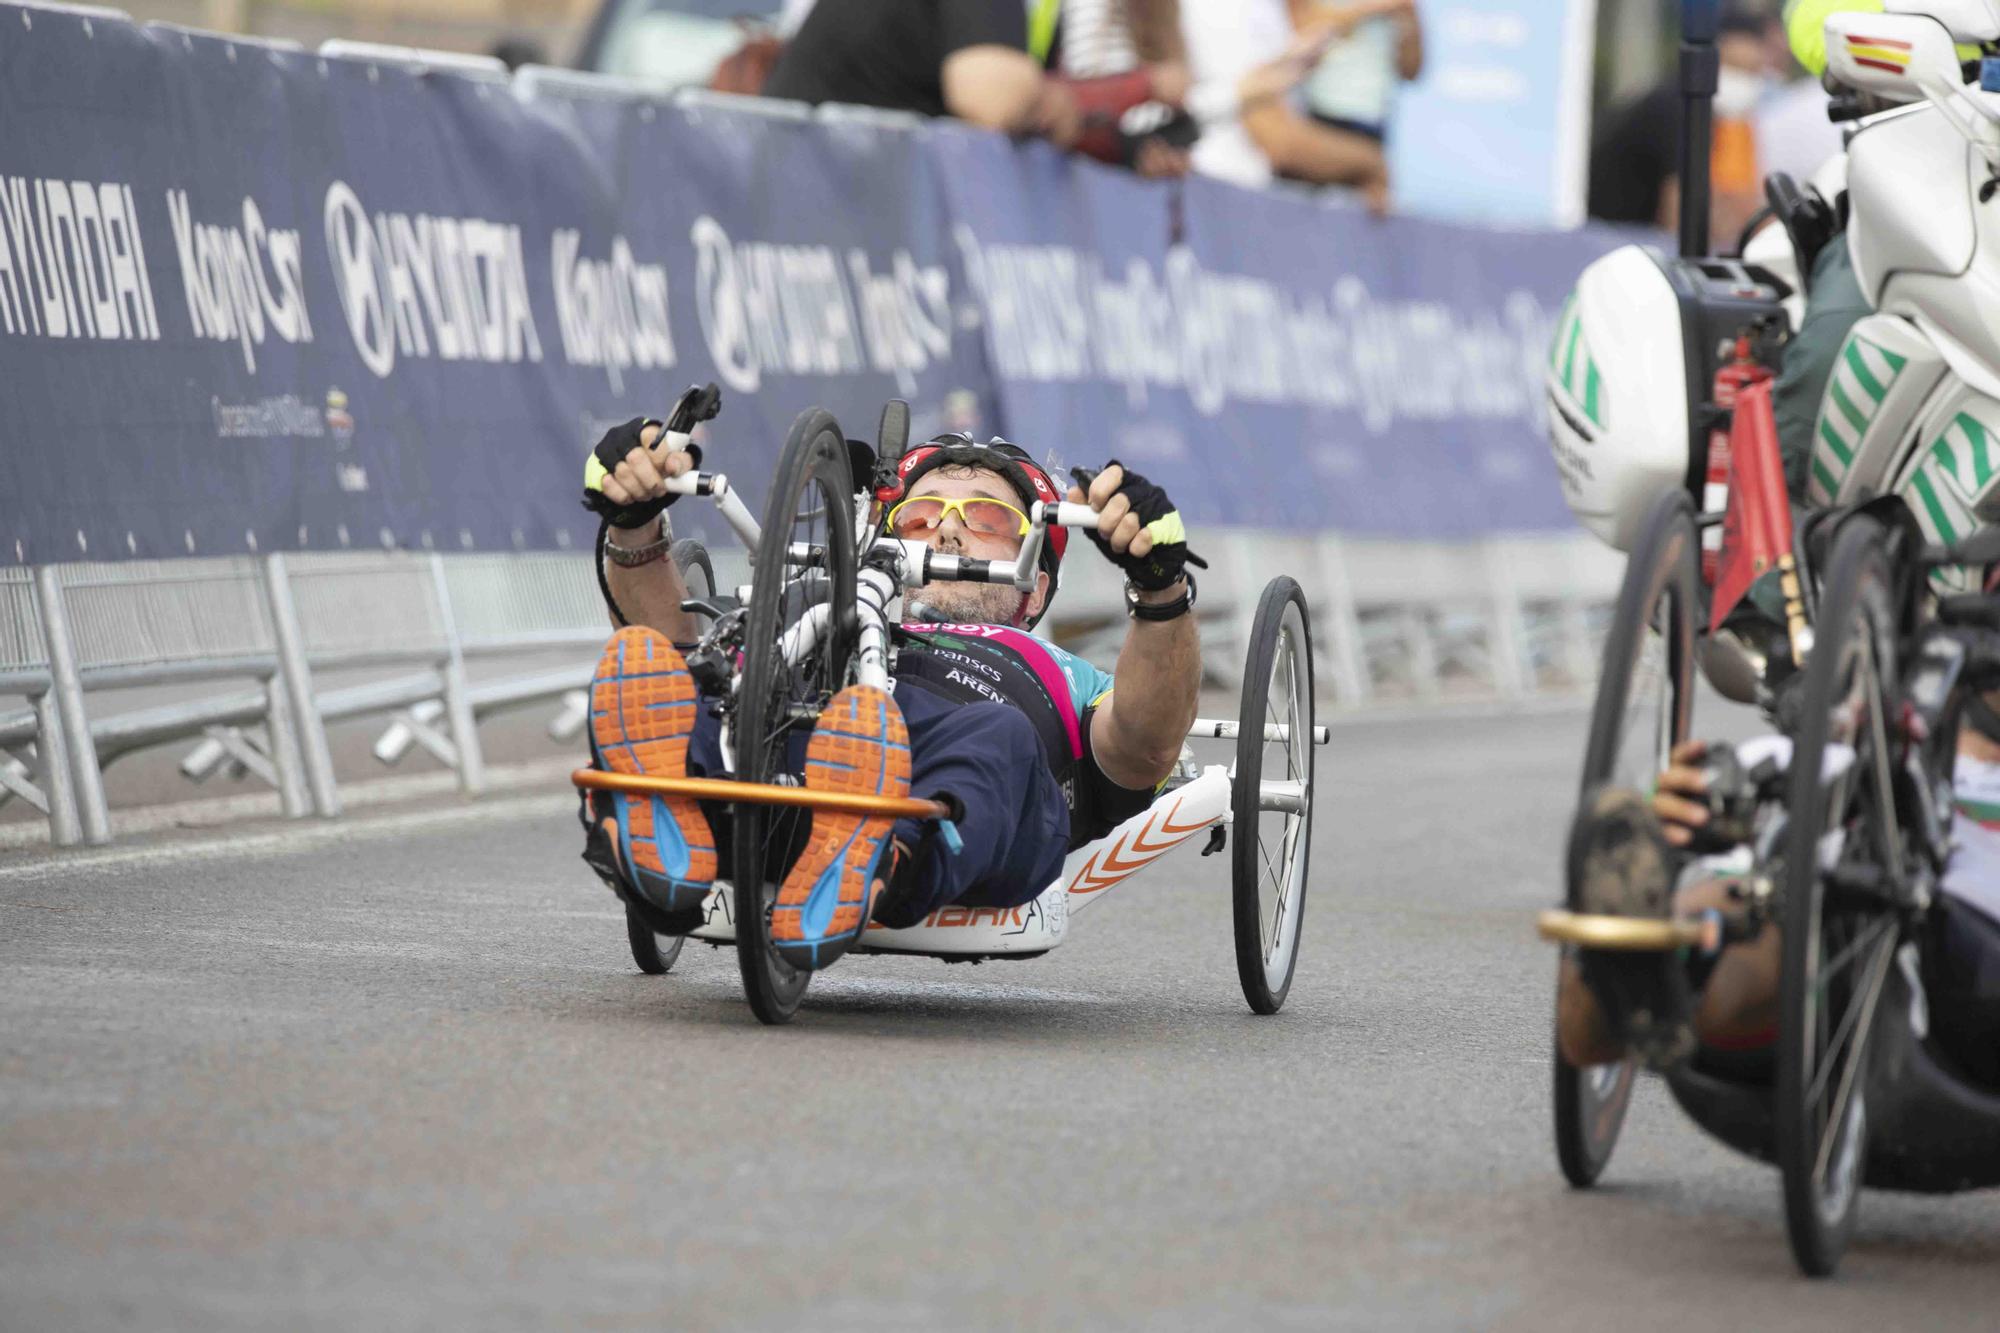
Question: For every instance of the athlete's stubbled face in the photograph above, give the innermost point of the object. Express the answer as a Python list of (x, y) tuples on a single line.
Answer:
[(973, 603)]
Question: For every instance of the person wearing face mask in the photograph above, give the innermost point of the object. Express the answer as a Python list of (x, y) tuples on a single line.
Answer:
[(1634, 158)]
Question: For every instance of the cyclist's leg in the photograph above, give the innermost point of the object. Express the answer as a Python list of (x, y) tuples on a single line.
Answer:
[(1015, 832), (1736, 1004), (645, 714), (1624, 865)]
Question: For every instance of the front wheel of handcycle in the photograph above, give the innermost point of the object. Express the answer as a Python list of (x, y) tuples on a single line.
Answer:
[(1644, 707), (1271, 798), (654, 954), (798, 642), (1845, 861)]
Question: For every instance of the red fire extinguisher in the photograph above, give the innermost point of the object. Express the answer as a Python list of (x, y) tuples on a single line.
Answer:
[(1731, 378)]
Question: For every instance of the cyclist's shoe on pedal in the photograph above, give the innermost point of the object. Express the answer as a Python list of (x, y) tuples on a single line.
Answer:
[(1620, 864), (861, 746), (642, 713)]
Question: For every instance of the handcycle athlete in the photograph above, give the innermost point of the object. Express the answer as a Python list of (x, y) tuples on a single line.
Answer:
[(1030, 746), (1652, 855), (1660, 856)]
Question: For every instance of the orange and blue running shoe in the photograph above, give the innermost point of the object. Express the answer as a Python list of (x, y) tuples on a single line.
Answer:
[(859, 745), (642, 712)]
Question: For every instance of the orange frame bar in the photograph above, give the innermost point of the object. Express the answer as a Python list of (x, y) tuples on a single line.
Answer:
[(755, 793)]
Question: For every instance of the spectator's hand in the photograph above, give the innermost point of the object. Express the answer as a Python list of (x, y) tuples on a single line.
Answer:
[(625, 479), (1171, 80), (1159, 160), (1375, 194), (1282, 75), (1057, 118), (1680, 797), (1138, 529)]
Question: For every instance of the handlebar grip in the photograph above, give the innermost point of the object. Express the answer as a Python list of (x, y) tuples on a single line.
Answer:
[(1070, 515)]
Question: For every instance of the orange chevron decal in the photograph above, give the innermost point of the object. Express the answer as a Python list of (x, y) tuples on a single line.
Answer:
[(1109, 867)]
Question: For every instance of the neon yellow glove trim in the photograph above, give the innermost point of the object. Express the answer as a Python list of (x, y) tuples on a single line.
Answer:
[(594, 474), (1166, 531)]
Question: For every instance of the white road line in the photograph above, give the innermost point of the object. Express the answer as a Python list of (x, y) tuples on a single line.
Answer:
[(293, 839)]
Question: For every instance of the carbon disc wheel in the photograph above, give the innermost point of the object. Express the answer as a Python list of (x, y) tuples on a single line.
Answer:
[(1845, 855), (1271, 796), (804, 577), (1644, 707)]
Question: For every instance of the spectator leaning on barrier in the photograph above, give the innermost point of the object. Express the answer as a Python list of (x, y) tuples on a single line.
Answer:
[(963, 58), (1378, 45), (1118, 55), (1248, 52)]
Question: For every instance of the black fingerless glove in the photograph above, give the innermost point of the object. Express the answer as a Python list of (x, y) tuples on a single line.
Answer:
[(1162, 566), (618, 442)]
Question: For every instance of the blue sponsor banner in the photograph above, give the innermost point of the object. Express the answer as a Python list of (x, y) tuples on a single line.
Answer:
[(255, 299), (1278, 362)]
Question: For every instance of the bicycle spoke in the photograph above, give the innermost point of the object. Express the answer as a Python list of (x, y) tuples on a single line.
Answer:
[(1852, 1067), (1847, 955), (1885, 798)]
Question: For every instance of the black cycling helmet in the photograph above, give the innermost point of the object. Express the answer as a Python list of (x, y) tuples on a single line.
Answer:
[(1012, 462)]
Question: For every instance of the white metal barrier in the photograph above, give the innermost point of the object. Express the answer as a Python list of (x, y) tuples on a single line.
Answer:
[(1504, 618)]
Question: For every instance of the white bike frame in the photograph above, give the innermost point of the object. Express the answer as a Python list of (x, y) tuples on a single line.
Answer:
[(1090, 872)]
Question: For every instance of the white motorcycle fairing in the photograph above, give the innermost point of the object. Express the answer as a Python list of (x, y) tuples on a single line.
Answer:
[(1886, 371)]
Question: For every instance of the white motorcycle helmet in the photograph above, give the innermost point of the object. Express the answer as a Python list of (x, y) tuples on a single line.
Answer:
[(1618, 394)]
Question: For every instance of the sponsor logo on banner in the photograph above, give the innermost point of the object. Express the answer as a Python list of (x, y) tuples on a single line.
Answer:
[(277, 417), (420, 286), (240, 280), (73, 261), (1055, 315), (612, 312), (285, 416), (799, 310)]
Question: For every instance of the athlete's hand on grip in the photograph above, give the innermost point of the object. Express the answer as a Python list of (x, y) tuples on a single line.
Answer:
[(625, 478), (1138, 528)]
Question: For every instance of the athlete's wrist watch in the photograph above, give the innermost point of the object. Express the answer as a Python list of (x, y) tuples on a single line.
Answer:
[(631, 557), (1157, 611)]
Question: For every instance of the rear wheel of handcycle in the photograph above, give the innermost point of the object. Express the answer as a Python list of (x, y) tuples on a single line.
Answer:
[(655, 955), (811, 509), (1843, 854), (1271, 797), (1644, 707)]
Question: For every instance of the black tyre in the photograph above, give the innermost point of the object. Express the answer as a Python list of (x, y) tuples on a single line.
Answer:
[(1644, 707), (1271, 798), (1844, 859), (697, 570), (655, 955), (811, 508)]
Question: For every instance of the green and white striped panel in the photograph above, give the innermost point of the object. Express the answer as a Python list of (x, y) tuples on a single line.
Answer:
[(1957, 469), (1572, 366), (1861, 379)]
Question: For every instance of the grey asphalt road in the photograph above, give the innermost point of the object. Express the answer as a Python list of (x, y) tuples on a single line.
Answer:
[(400, 1073)]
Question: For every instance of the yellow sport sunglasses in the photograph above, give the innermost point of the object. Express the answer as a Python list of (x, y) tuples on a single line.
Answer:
[(989, 518)]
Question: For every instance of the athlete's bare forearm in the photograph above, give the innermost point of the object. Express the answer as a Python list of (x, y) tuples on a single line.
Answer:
[(651, 594), (1137, 733)]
